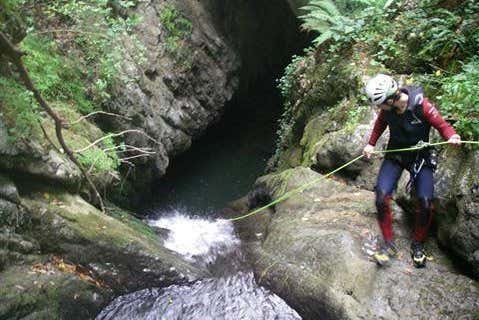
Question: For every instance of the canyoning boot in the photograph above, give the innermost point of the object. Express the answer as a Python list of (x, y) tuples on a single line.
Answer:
[(418, 254), (385, 253)]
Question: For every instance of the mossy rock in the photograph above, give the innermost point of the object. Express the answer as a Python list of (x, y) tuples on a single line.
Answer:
[(68, 225), (313, 256), (118, 252), (26, 294)]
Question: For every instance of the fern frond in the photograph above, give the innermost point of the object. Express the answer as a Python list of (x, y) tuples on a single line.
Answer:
[(387, 4), (318, 26), (326, 6), (323, 37), (319, 16)]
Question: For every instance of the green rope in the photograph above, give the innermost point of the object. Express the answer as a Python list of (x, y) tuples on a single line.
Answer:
[(419, 146)]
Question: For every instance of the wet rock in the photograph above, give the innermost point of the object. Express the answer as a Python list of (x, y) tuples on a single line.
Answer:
[(313, 256), (97, 257), (8, 190), (457, 203), (18, 243), (26, 294), (163, 233), (456, 181), (34, 160), (8, 212), (84, 235), (177, 93)]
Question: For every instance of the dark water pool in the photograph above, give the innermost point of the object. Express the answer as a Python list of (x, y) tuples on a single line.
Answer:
[(223, 164)]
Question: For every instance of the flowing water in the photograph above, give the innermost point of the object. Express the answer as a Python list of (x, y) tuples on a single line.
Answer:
[(232, 293), (220, 167)]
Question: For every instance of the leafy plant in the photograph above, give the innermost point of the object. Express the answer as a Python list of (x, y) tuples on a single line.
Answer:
[(98, 33), (325, 18), (330, 20), (178, 28), (459, 100), (55, 76), (100, 158), (287, 84), (19, 110), (440, 35)]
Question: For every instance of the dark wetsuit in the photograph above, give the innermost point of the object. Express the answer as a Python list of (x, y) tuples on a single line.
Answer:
[(406, 130)]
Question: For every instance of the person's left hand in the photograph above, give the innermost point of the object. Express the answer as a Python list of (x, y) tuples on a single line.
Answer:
[(455, 139)]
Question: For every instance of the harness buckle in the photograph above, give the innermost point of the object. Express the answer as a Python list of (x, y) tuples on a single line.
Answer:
[(415, 169)]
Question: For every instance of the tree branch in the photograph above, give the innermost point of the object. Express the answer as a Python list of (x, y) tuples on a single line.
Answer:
[(130, 148), (48, 137), (15, 56), (99, 112), (111, 135), (134, 157)]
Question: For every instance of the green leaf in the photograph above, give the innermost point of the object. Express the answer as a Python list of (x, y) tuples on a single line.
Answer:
[(323, 37)]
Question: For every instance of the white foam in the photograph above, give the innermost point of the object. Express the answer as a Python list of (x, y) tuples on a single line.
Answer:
[(197, 238)]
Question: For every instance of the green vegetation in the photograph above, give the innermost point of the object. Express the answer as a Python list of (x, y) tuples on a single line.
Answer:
[(178, 28), (435, 44), (74, 63), (98, 34), (10, 20), (19, 110), (102, 159), (326, 17), (287, 86), (459, 99), (57, 77)]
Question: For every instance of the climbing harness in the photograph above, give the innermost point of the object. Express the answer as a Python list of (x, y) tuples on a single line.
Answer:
[(415, 168), (419, 146)]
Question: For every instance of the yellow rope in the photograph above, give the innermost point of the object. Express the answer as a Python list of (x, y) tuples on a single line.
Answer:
[(420, 145)]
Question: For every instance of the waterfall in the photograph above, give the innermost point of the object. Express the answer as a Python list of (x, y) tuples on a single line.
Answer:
[(231, 294)]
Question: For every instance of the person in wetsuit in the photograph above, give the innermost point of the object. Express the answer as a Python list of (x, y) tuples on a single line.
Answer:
[(409, 116)]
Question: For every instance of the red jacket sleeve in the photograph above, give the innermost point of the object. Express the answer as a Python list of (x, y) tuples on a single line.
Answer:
[(379, 126), (432, 115)]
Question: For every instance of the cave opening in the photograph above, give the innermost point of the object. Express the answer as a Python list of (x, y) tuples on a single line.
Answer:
[(224, 162)]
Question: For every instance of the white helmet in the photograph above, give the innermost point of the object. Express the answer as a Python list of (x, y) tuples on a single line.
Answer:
[(380, 87)]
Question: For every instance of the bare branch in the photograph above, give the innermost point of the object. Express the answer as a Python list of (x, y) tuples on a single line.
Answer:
[(111, 135), (128, 163), (134, 157), (130, 148), (99, 112)]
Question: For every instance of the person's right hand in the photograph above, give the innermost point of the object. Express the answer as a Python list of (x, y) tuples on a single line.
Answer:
[(368, 151), (455, 139)]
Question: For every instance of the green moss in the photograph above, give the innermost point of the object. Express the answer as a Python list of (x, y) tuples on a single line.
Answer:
[(92, 225), (312, 135), (98, 159), (279, 182), (134, 223), (45, 295)]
